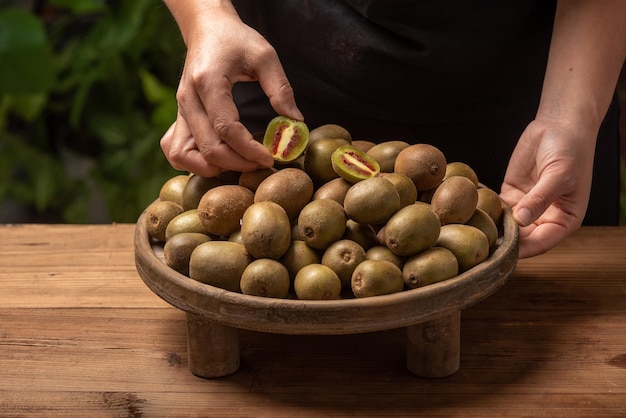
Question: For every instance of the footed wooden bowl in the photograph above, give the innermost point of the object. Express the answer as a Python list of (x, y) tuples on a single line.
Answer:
[(431, 314)]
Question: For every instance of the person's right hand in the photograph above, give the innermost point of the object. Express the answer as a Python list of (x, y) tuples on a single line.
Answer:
[(207, 137)]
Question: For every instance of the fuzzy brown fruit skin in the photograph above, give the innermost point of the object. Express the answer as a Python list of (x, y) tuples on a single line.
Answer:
[(291, 188), (317, 282), (412, 229), (353, 165), (285, 138), (386, 153), (221, 208), (425, 164), (372, 201), (265, 230), (177, 250), (468, 243), (219, 264), (431, 266), (267, 278), (173, 188), (159, 214), (455, 200), (376, 277), (342, 257), (322, 222)]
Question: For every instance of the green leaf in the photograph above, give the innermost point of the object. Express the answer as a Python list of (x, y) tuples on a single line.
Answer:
[(27, 63)]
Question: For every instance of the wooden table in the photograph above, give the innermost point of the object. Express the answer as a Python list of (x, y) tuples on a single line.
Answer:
[(81, 335)]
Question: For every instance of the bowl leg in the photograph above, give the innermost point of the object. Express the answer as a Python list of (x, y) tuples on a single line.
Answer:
[(433, 347), (213, 348)]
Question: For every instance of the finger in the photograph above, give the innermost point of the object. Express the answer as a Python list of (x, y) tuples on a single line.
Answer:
[(223, 126), (166, 143), (277, 88), (538, 239), (182, 152), (539, 198)]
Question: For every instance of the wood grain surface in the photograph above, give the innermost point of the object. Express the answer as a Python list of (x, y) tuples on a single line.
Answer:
[(81, 335)]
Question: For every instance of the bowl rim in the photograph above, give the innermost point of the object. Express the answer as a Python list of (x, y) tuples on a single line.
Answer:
[(343, 316)]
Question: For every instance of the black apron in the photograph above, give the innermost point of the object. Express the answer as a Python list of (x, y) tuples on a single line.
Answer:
[(463, 76)]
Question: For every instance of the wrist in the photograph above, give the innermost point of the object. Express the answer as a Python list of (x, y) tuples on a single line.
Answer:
[(191, 15)]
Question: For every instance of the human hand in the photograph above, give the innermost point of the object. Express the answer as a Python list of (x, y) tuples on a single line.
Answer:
[(207, 136), (548, 182)]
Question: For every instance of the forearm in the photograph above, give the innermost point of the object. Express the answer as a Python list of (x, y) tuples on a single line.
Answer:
[(191, 14), (586, 55)]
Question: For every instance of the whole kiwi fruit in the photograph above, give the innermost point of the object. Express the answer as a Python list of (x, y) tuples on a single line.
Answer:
[(430, 266), (177, 250), (322, 222), (173, 188), (342, 257), (425, 164), (317, 282), (412, 229), (158, 215), (265, 230), (221, 208), (376, 277), (188, 221), (219, 263), (371, 201), (265, 277), (468, 243), (291, 188), (386, 153), (454, 200)]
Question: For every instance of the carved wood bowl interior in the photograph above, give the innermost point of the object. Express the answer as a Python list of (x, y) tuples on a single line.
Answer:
[(343, 316)]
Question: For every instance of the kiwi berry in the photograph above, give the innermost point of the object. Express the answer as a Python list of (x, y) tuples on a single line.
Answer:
[(372, 201), (291, 188), (265, 230), (177, 250), (219, 263), (158, 215), (431, 266), (221, 208), (317, 282), (322, 222), (342, 257), (376, 277), (265, 277), (454, 200), (386, 153), (173, 188), (425, 164)]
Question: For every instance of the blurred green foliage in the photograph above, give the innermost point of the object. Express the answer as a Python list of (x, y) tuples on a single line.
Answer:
[(87, 88)]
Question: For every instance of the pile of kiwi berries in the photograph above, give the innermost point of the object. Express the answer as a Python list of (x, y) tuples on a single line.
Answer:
[(334, 218)]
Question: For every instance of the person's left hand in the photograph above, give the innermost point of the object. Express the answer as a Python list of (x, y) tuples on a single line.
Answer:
[(548, 182)]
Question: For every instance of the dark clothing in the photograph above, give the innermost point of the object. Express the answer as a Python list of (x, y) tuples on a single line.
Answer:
[(463, 76)]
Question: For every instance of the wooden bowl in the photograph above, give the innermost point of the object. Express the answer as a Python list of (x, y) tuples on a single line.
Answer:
[(214, 314)]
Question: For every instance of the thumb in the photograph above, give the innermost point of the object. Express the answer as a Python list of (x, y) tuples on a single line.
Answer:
[(532, 205)]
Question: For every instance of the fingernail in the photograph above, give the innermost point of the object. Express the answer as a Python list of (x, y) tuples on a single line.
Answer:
[(523, 216)]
